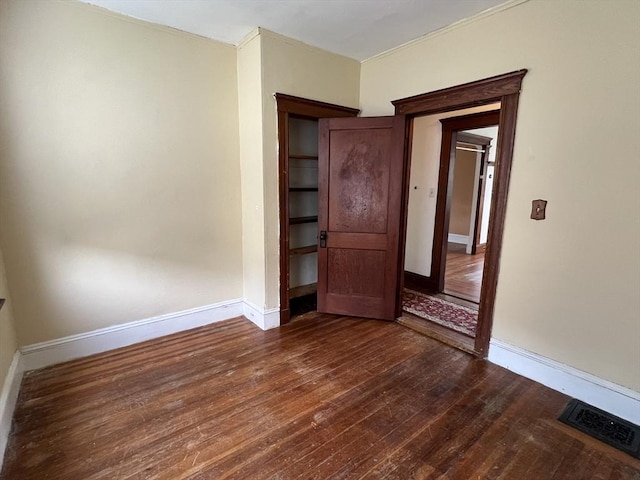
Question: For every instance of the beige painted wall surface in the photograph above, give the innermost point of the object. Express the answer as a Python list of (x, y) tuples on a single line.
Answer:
[(295, 68), (119, 169), (462, 194), (568, 286), (8, 339), (249, 56)]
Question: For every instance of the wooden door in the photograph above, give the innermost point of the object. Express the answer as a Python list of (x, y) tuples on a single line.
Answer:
[(359, 211)]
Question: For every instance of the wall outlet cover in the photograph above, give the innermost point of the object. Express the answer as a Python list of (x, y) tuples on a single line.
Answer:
[(538, 208)]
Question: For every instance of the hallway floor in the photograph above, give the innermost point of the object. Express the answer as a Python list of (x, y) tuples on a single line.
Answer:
[(463, 273)]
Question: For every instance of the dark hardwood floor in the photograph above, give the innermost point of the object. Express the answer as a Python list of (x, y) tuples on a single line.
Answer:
[(439, 332), (324, 397), (463, 273)]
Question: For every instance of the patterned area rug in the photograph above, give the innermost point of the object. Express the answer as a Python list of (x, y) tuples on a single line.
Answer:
[(459, 318)]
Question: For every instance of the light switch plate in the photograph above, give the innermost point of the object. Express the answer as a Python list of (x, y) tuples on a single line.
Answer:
[(538, 208)]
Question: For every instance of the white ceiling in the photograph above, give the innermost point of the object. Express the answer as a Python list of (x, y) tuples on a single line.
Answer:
[(355, 28)]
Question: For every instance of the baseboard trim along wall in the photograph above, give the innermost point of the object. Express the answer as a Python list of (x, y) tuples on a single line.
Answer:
[(8, 399), (39, 355), (601, 393), (608, 396), (265, 319), (455, 238), (43, 354)]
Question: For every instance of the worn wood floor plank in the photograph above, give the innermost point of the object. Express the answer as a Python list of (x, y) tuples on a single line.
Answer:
[(324, 397)]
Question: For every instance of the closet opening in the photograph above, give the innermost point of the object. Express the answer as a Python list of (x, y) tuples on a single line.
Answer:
[(298, 199)]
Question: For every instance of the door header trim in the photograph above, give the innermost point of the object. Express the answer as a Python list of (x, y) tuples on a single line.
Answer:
[(462, 96)]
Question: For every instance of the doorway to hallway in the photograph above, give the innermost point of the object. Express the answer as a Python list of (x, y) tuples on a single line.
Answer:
[(447, 224)]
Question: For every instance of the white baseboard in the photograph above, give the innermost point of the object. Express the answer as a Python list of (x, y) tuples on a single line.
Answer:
[(608, 396), (43, 354), (48, 353), (455, 238), (265, 319), (8, 399)]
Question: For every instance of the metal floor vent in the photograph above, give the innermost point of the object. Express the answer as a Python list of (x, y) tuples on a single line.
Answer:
[(605, 427)]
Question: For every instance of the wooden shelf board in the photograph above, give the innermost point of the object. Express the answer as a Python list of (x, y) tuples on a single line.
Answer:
[(303, 189), (304, 157), (303, 250), (299, 220), (303, 290)]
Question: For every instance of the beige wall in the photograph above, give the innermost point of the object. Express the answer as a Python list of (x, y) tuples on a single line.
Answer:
[(568, 286), (8, 340), (250, 117), (294, 68), (119, 169), (462, 194)]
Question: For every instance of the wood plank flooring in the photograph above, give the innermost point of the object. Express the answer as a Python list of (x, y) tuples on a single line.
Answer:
[(324, 397), (463, 273)]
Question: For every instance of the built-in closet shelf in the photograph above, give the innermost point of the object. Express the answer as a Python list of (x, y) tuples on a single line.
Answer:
[(299, 220), (303, 290), (304, 157), (303, 189), (303, 250)]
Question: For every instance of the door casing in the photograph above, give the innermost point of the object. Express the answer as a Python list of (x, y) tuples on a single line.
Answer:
[(450, 126), (485, 144), (288, 106), (506, 90)]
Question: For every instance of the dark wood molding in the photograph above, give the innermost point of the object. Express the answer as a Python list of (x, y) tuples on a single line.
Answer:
[(450, 127), (481, 248), (283, 190), (472, 138), (504, 89), (312, 108), (288, 105), (485, 143), (470, 94), (502, 175), (420, 283), (408, 135), (482, 187), (471, 121)]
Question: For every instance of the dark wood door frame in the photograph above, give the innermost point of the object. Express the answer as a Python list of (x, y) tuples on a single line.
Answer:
[(506, 90), (289, 105), (485, 144), (450, 128), (433, 283)]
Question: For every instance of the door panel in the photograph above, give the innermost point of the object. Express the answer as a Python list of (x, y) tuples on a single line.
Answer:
[(360, 188), (360, 175), (348, 264)]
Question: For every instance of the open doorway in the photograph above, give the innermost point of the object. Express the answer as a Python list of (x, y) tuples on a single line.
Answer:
[(448, 209), (470, 207), (504, 89)]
